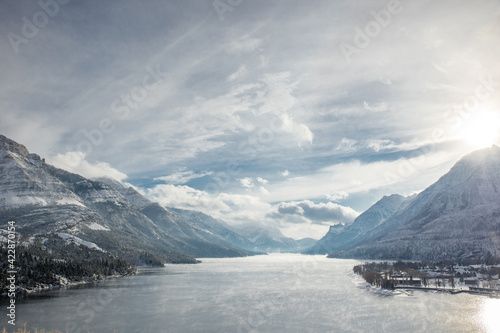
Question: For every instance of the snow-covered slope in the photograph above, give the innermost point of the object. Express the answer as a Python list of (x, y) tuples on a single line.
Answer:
[(204, 228), (267, 239), (44, 200), (24, 181), (340, 237), (201, 235), (456, 217)]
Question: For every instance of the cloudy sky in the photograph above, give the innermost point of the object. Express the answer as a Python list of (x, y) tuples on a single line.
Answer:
[(293, 114)]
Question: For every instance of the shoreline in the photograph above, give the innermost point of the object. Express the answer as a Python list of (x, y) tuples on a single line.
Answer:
[(23, 291), (480, 291), (405, 290)]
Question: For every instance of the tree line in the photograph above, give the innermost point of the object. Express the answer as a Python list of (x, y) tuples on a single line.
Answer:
[(36, 266)]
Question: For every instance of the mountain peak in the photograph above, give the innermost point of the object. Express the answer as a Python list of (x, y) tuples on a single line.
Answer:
[(481, 156), (7, 144), (337, 226), (478, 164), (455, 218), (392, 197), (111, 182)]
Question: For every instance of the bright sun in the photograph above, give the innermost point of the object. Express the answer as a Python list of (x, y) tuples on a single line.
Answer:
[(481, 129)]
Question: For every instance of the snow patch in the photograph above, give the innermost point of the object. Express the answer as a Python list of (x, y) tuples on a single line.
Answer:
[(97, 226), (68, 201), (14, 200), (78, 241)]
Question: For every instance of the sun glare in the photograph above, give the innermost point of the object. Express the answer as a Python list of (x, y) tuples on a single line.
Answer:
[(490, 315), (481, 129)]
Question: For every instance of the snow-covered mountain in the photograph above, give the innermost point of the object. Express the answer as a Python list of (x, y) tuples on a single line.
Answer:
[(340, 236), (192, 226), (218, 231), (48, 202), (456, 217), (266, 239), (197, 225), (202, 227), (256, 239)]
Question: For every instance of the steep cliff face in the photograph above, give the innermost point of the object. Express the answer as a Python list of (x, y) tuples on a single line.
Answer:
[(192, 236), (46, 201), (456, 217)]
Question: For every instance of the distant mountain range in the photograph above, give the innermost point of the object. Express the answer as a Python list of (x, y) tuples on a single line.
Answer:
[(457, 217), (48, 203)]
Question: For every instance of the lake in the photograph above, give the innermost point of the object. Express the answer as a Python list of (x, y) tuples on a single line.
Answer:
[(274, 293)]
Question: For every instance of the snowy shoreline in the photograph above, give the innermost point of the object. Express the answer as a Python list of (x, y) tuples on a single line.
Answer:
[(22, 290), (408, 290)]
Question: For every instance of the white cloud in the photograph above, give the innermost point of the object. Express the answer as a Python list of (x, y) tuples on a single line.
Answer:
[(262, 181), (285, 173), (306, 211), (185, 197), (399, 176), (75, 162), (378, 145), (277, 101), (377, 108), (263, 191), (346, 145), (233, 208), (385, 144), (301, 132), (183, 177), (262, 108), (336, 196), (247, 182), (277, 96), (242, 71)]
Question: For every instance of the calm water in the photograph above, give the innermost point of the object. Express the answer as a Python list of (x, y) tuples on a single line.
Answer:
[(275, 293)]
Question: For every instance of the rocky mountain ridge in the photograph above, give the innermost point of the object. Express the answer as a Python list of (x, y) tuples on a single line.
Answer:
[(47, 202), (50, 203), (457, 217)]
